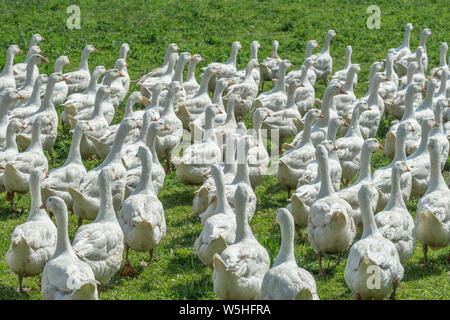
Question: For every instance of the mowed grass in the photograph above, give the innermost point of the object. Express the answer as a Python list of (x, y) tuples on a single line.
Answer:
[(209, 28)]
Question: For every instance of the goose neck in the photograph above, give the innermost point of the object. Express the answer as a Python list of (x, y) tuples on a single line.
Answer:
[(409, 105), (151, 144), (62, 239), (178, 75), (168, 106), (35, 98), (428, 100), (35, 193), (373, 95), (326, 188), (309, 50), (84, 61), (366, 157), (146, 182), (243, 231), (423, 146), (353, 129), (191, 70), (286, 253), (396, 199), (406, 38), (204, 83), (29, 80), (442, 56), (369, 225), (92, 87), (326, 46), (232, 59), (436, 178), (306, 138), (400, 154), (8, 68), (74, 152), (106, 212), (11, 143), (348, 85), (281, 83), (222, 202), (47, 103)]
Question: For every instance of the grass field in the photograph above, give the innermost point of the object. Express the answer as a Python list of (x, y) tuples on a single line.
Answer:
[(209, 28)]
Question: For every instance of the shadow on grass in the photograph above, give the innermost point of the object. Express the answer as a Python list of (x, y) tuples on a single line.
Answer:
[(415, 271), (11, 293)]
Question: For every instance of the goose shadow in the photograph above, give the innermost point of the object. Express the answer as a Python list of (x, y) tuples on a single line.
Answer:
[(415, 271)]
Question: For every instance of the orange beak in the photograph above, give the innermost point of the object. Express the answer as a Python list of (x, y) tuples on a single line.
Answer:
[(166, 127), (335, 147), (318, 47), (292, 66), (408, 169), (64, 78), (268, 114), (346, 124), (21, 96), (192, 59), (20, 51), (380, 146), (139, 126), (44, 60), (436, 124), (90, 128), (202, 59), (46, 174), (387, 79), (95, 49), (369, 108), (116, 177), (321, 115), (43, 206), (218, 73), (121, 74)]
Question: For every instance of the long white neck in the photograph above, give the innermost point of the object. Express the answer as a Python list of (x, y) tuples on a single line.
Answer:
[(423, 146), (306, 138), (409, 112), (106, 212), (114, 154), (423, 40), (35, 98), (348, 85), (35, 193), (8, 67), (400, 154), (217, 97), (326, 46), (242, 173), (348, 58), (373, 96), (47, 103), (146, 182), (74, 152), (35, 138), (191, 70), (11, 143), (222, 202), (286, 252), (29, 80), (326, 188), (204, 83), (406, 37), (281, 84), (178, 75), (93, 82), (232, 59), (396, 199), (151, 144), (366, 157), (436, 178), (442, 56), (332, 131), (84, 61), (354, 129), (443, 86), (59, 64), (243, 230), (308, 51), (369, 225), (428, 100), (62, 239)]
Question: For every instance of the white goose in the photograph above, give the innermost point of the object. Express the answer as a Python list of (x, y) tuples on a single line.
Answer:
[(418, 75), (240, 75), (372, 251), (240, 268), (350, 193), (435, 73), (349, 146), (10, 97), (86, 197), (276, 98), (341, 75), (67, 175), (438, 129), (258, 157), (395, 222), (124, 49), (305, 94), (382, 177), (20, 68), (269, 66), (425, 110), (78, 101), (331, 228), (165, 78), (142, 215), (169, 139), (7, 75), (135, 171), (388, 89), (226, 69), (432, 223), (100, 243), (78, 80), (194, 166), (49, 119), (396, 106), (118, 88), (65, 276), (311, 75), (285, 280), (191, 85), (171, 49), (413, 137), (33, 243), (324, 66), (16, 177), (219, 230), (419, 161), (33, 104), (192, 108), (403, 49), (406, 59), (61, 89), (10, 151), (294, 161), (343, 101)]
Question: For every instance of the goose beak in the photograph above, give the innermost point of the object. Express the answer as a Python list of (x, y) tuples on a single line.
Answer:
[(68, 63), (380, 146), (318, 47), (242, 101), (192, 59), (21, 96), (259, 47), (202, 59), (64, 78), (44, 60), (46, 175), (90, 128), (342, 91), (387, 79), (43, 206), (144, 100), (335, 147), (126, 64), (138, 126), (436, 124), (116, 178), (110, 91), (346, 124), (230, 83), (220, 111), (268, 114), (292, 66), (166, 127), (321, 115), (41, 52), (218, 73), (315, 62), (95, 49), (43, 39), (369, 108), (302, 85), (408, 169), (121, 74), (20, 51)]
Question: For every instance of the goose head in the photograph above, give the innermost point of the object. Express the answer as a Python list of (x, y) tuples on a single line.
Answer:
[(321, 154), (222, 84), (107, 174), (55, 205), (372, 144), (37, 38), (420, 52), (286, 64), (102, 93), (15, 125), (120, 65), (412, 67), (253, 63), (99, 70), (35, 50), (154, 128), (173, 48), (295, 84), (312, 115), (409, 27), (312, 44), (336, 89), (329, 146), (426, 33), (275, 45), (413, 89), (241, 129), (124, 49), (185, 56), (196, 58), (210, 71), (113, 74), (399, 168), (89, 49), (362, 106), (10, 96), (331, 34), (254, 46), (348, 51), (236, 46), (14, 49), (56, 77), (137, 97), (259, 115), (60, 62), (435, 146), (37, 58), (355, 67)]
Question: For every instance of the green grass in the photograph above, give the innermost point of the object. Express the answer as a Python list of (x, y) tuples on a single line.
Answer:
[(209, 28)]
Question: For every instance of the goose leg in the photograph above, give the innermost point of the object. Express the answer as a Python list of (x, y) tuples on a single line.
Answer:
[(167, 168), (394, 291), (339, 258), (20, 284), (80, 222), (358, 296), (127, 268), (289, 193), (10, 197), (321, 272), (150, 253), (425, 252)]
